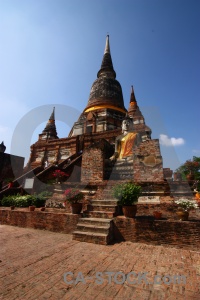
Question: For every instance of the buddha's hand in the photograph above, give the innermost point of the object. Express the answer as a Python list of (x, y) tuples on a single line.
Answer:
[(114, 157)]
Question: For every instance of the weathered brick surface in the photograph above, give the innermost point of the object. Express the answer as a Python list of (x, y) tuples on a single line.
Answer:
[(59, 222), (93, 160), (168, 210), (147, 163), (184, 234), (33, 263), (92, 165)]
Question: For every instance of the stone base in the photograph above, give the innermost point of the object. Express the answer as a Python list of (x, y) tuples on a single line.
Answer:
[(149, 199)]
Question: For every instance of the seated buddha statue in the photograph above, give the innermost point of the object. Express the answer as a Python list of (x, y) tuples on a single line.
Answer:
[(125, 142)]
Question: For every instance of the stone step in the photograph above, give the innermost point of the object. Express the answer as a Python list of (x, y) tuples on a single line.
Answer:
[(100, 202), (107, 196), (90, 237), (93, 228), (94, 221), (100, 214), (96, 207)]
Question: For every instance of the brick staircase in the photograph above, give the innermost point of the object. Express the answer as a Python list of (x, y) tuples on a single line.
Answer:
[(97, 225)]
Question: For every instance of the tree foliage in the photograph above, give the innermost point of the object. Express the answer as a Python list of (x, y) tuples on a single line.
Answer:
[(190, 167)]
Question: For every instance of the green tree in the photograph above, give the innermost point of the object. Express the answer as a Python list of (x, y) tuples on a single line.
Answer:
[(190, 167)]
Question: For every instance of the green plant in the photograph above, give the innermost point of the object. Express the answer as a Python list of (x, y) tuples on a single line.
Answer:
[(190, 167), (186, 205), (22, 201), (126, 193), (38, 202), (8, 201), (73, 195)]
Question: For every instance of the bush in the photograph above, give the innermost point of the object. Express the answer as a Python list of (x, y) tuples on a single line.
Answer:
[(23, 201), (126, 193), (8, 201), (38, 202)]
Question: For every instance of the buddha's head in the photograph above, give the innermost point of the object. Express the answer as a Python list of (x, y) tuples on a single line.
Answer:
[(127, 124)]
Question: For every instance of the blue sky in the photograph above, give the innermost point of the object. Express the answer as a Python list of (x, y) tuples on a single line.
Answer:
[(51, 51)]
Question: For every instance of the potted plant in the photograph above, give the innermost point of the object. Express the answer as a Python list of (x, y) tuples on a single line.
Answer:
[(127, 195), (74, 196), (59, 175), (184, 206)]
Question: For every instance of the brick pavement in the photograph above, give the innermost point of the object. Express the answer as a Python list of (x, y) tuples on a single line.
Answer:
[(33, 263)]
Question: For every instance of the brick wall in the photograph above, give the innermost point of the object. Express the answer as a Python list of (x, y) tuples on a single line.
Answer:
[(184, 234), (93, 162), (58, 222), (42, 150), (147, 163), (168, 210), (92, 165)]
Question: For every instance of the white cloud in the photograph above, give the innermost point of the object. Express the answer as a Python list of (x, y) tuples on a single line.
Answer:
[(166, 141)]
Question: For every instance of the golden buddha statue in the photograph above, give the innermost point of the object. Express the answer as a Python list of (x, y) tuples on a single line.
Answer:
[(125, 142)]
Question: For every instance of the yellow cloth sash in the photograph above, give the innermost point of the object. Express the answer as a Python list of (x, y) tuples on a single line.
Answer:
[(127, 144)]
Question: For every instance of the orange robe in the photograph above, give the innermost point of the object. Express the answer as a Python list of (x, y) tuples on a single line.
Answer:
[(127, 144)]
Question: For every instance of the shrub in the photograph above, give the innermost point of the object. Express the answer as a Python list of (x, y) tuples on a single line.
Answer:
[(23, 201), (8, 201), (127, 193), (26, 200), (38, 202)]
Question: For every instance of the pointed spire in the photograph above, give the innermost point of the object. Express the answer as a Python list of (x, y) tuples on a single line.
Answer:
[(132, 97), (133, 103), (107, 47), (106, 65), (52, 117), (50, 127)]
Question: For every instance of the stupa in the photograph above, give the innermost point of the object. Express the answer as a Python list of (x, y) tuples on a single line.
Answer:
[(97, 128)]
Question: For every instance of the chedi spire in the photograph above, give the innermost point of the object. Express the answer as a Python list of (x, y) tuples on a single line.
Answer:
[(107, 65), (50, 128), (106, 91)]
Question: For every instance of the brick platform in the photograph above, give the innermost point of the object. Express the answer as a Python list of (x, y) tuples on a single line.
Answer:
[(33, 263), (145, 229), (54, 220), (181, 234)]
